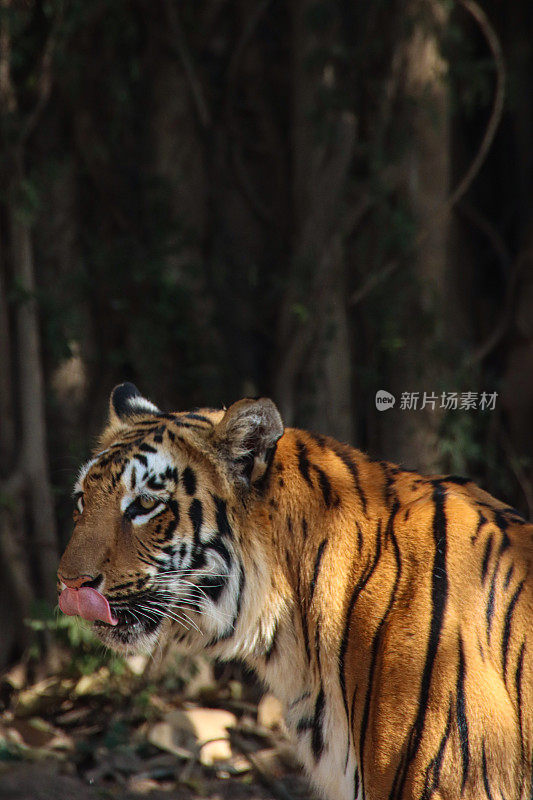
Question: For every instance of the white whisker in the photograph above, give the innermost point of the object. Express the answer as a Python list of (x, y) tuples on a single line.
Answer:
[(144, 614), (199, 589), (170, 612), (168, 615), (178, 576), (188, 601)]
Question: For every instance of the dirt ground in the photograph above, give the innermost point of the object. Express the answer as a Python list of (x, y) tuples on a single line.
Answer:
[(105, 736), (47, 781)]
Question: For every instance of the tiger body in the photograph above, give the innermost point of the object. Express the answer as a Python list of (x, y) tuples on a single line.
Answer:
[(388, 611)]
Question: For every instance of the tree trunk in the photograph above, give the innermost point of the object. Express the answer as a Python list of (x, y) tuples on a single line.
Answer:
[(411, 437), (7, 421), (328, 374), (16, 593), (34, 460), (312, 332)]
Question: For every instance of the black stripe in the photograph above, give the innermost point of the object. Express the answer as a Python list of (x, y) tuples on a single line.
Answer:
[(304, 724), (212, 586), (481, 521), (359, 536), (147, 448), (147, 552), (242, 582), (435, 764), (376, 642), (318, 438), (121, 586), (351, 717), (230, 630), (180, 423), (317, 646), (316, 569), (501, 520), (303, 462), (198, 560), (317, 738), (171, 473), (506, 543), (439, 593), (189, 480), (459, 480), (223, 526), (356, 784), (518, 685), (142, 459), (219, 547), (196, 516), (299, 699), (442, 746), (134, 510), (303, 604), (486, 558), (199, 417), (485, 773), (305, 634), (325, 486), (389, 482), (489, 614), (365, 577), (118, 475), (272, 647), (346, 457), (508, 577), (169, 531), (174, 507), (460, 710), (507, 627), (150, 560)]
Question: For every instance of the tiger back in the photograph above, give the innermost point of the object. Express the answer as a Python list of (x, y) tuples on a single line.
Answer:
[(390, 612)]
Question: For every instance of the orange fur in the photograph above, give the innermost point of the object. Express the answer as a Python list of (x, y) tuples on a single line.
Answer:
[(390, 612)]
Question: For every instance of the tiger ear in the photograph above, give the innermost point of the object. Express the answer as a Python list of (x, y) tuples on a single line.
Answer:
[(246, 437), (126, 401)]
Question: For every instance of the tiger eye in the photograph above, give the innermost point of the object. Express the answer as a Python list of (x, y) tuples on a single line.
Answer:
[(147, 502)]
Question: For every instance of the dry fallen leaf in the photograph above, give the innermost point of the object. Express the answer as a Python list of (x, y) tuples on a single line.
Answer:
[(204, 730), (270, 712)]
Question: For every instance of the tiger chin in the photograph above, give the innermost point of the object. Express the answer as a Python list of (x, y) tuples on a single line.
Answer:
[(391, 613)]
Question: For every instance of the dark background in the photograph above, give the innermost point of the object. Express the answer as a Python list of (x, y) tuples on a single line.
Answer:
[(311, 200)]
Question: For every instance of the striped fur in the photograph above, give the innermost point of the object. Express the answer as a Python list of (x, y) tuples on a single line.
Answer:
[(390, 612)]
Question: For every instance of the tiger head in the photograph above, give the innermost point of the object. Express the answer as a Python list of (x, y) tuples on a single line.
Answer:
[(158, 537)]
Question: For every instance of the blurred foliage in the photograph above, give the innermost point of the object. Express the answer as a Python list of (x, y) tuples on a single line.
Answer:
[(86, 653)]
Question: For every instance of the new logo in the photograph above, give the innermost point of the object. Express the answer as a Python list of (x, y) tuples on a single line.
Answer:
[(384, 400)]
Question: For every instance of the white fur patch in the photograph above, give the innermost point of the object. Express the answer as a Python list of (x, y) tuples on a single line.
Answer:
[(141, 405)]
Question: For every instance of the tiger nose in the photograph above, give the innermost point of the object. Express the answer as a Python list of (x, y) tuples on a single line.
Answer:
[(81, 580)]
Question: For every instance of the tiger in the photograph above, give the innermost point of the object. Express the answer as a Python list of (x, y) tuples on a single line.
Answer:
[(390, 612)]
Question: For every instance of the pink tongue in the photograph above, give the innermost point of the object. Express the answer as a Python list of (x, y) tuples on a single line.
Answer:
[(86, 603)]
